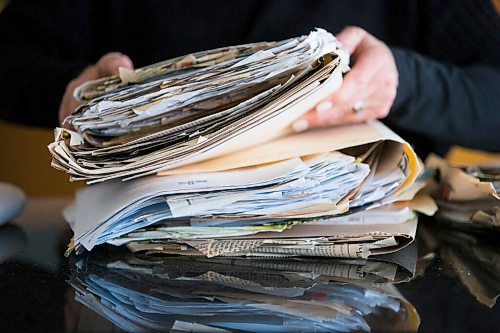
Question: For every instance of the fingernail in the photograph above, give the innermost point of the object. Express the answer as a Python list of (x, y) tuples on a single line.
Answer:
[(324, 106), (300, 125)]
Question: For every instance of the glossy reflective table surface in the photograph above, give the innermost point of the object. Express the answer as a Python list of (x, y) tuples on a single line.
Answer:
[(447, 281)]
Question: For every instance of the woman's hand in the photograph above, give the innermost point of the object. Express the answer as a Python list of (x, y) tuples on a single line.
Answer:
[(368, 90), (107, 65)]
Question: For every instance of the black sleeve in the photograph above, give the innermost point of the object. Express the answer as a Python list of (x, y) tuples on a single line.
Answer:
[(42, 47), (450, 90), (448, 103)]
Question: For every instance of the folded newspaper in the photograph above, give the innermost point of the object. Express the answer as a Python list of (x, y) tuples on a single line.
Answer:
[(195, 156), (195, 107)]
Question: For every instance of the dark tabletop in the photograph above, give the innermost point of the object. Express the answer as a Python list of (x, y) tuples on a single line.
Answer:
[(450, 276)]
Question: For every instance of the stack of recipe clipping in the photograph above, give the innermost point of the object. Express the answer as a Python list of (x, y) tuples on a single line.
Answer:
[(196, 156)]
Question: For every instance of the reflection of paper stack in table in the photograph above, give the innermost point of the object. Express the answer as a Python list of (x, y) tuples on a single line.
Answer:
[(230, 178), (140, 293)]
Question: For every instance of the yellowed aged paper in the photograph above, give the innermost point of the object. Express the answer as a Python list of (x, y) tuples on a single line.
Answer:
[(339, 241), (421, 202), (344, 231), (315, 141), (461, 186)]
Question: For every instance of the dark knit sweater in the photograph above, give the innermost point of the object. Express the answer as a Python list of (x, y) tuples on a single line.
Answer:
[(447, 52)]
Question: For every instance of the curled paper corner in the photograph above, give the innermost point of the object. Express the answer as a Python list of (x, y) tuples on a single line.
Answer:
[(344, 60), (79, 91), (187, 61), (345, 68), (127, 75), (201, 139), (61, 134), (457, 185)]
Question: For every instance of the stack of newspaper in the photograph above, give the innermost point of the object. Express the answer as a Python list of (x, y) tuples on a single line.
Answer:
[(196, 156), (192, 108)]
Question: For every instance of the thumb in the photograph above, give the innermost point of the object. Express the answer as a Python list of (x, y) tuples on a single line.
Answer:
[(351, 37), (110, 63)]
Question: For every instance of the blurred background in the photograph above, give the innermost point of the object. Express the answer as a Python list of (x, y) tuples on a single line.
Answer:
[(25, 161)]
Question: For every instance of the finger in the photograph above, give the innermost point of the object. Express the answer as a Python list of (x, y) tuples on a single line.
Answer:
[(69, 103), (110, 63), (358, 82), (107, 65), (356, 85), (376, 105), (339, 104), (89, 73), (334, 116), (366, 83), (351, 37)]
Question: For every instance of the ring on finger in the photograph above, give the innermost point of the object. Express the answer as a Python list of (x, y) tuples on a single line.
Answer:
[(358, 108)]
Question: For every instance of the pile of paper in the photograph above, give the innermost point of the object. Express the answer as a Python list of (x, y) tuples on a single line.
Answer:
[(251, 207), (246, 295), (466, 195), (197, 107), (195, 156)]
